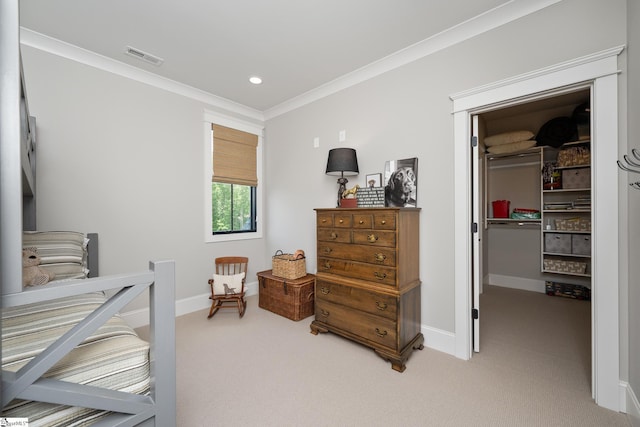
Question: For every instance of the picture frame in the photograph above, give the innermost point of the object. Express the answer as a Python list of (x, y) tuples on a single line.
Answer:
[(373, 180), (401, 183)]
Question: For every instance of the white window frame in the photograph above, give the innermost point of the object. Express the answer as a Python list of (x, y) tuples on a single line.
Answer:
[(210, 118)]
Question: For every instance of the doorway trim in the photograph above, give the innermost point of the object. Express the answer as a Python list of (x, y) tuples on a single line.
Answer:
[(600, 71)]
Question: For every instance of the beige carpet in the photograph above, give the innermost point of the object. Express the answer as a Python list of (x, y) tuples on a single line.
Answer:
[(265, 370)]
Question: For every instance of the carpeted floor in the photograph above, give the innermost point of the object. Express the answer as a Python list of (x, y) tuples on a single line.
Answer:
[(265, 370)]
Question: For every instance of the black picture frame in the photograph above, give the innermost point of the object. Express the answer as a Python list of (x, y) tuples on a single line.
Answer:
[(401, 183)]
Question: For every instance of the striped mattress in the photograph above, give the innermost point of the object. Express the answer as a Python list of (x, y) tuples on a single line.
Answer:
[(113, 357)]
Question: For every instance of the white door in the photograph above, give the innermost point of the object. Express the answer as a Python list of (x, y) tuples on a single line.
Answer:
[(475, 230)]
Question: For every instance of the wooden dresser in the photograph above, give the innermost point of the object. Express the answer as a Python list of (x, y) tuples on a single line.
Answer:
[(368, 281)]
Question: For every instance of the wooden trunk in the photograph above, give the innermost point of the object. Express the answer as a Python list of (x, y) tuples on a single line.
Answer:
[(291, 298)]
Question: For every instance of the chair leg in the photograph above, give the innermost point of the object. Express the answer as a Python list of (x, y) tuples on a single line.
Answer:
[(214, 309), (240, 308)]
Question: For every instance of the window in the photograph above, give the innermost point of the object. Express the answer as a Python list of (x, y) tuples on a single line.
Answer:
[(233, 197)]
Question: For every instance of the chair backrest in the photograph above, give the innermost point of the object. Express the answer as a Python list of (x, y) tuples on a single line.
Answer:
[(232, 265)]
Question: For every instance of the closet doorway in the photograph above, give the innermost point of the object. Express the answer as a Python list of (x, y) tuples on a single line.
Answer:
[(534, 237), (598, 73)]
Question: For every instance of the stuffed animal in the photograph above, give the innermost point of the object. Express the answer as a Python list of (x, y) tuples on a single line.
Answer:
[(32, 274)]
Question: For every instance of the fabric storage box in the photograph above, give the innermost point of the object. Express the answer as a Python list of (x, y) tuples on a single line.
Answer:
[(568, 290), (581, 244), (573, 224), (563, 266), (557, 243), (291, 298), (576, 178)]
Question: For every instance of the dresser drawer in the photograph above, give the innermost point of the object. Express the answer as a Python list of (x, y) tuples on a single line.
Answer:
[(342, 220), (373, 255), (334, 235), (362, 221), (324, 219), (367, 301), (373, 273), (370, 327), (386, 221), (375, 238)]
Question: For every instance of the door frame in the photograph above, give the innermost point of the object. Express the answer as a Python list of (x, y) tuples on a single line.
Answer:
[(600, 71)]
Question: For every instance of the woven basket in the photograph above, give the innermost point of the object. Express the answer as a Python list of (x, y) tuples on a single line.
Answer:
[(285, 265)]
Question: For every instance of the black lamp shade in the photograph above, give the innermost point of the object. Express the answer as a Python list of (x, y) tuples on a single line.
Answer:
[(342, 161)]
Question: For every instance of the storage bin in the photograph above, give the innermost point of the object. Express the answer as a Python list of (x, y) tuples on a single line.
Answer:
[(563, 266), (288, 267), (581, 244), (293, 299), (568, 290), (576, 178), (557, 243), (573, 224), (500, 208)]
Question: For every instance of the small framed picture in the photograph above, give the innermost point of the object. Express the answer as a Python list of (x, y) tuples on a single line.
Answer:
[(374, 180)]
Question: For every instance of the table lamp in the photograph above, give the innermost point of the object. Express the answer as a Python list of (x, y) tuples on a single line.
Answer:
[(342, 161)]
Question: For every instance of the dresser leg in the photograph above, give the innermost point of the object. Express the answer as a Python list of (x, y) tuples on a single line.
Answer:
[(315, 328)]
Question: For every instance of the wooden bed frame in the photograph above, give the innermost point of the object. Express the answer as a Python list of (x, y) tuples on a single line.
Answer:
[(17, 200)]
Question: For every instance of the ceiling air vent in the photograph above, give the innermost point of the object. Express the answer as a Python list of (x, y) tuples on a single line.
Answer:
[(144, 56)]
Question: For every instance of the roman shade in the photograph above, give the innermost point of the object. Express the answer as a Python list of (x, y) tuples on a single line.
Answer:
[(234, 156)]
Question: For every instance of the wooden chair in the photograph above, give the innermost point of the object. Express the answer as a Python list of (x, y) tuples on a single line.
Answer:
[(227, 295)]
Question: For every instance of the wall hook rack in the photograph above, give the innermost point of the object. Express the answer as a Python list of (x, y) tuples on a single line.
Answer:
[(631, 164)]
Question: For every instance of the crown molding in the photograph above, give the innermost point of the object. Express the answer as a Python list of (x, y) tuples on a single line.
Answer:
[(473, 27), (69, 51)]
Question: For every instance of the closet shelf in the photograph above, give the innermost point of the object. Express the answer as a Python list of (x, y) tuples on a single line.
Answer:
[(566, 274), (587, 232), (566, 255)]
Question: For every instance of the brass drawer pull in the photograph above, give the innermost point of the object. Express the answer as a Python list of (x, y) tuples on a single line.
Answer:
[(324, 220), (327, 266), (325, 290), (341, 221), (334, 235), (381, 305), (380, 257), (380, 276), (361, 222), (383, 222), (327, 250), (380, 333), (324, 313), (372, 238)]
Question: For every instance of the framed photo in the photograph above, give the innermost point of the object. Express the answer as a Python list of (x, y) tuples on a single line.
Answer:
[(401, 182), (374, 180)]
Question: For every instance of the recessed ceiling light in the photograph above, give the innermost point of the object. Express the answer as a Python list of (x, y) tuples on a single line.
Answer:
[(255, 80)]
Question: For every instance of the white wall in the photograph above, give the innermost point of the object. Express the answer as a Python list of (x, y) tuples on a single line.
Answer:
[(125, 160), (633, 82), (406, 113)]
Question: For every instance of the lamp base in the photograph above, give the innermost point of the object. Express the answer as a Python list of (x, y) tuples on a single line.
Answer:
[(349, 203)]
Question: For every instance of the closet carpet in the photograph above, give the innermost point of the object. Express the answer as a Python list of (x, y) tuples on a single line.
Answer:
[(265, 370)]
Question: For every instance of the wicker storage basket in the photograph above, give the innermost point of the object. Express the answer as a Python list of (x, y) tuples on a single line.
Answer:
[(293, 299), (285, 265)]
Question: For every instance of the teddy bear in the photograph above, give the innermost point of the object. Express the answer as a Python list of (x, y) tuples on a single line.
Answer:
[(32, 274)]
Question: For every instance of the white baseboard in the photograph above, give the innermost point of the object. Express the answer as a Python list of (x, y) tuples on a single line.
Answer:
[(632, 405), (440, 340), (516, 282), (140, 317)]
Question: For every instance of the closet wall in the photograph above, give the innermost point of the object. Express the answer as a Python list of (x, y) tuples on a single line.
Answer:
[(512, 251)]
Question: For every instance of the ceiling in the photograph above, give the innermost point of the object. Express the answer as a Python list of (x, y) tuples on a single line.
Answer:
[(295, 46)]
